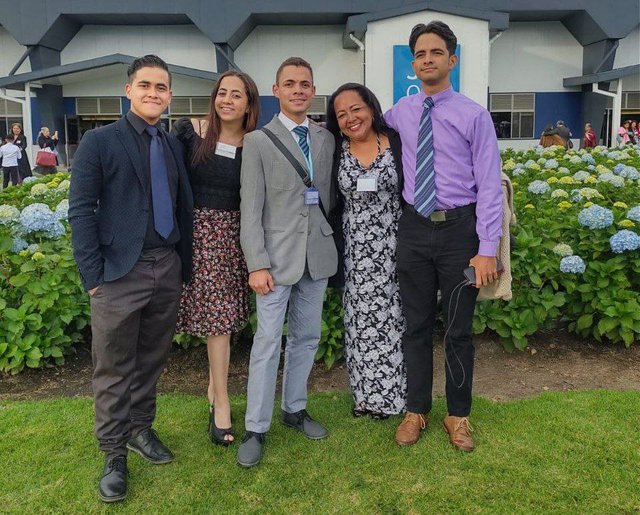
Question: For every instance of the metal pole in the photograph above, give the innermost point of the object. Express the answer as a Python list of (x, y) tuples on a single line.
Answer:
[(26, 121), (617, 112)]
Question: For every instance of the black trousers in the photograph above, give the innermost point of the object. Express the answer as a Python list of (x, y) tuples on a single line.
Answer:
[(10, 173), (132, 324), (431, 257)]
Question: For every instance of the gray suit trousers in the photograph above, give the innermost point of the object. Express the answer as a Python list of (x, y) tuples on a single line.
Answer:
[(132, 323), (305, 300)]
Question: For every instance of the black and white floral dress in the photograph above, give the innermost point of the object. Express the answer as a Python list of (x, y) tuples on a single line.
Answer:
[(373, 318)]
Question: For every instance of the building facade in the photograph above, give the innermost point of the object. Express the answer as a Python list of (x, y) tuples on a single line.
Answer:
[(63, 64)]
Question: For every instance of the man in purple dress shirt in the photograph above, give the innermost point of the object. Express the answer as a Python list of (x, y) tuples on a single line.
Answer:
[(462, 228)]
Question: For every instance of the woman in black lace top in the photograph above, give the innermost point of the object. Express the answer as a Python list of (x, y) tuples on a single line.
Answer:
[(216, 301)]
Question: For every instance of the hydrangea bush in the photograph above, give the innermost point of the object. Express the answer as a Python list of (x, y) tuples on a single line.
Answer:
[(44, 308), (576, 258)]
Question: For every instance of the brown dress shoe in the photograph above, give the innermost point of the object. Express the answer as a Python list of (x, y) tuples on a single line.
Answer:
[(459, 431), (409, 430)]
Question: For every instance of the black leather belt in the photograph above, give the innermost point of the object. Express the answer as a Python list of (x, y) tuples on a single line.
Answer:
[(446, 214)]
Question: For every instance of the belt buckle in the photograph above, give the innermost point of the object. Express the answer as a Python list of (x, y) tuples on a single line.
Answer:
[(438, 216)]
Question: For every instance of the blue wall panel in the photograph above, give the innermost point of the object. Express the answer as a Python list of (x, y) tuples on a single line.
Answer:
[(269, 107), (69, 106), (551, 107)]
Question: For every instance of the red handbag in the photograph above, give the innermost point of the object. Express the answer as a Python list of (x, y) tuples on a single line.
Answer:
[(45, 158)]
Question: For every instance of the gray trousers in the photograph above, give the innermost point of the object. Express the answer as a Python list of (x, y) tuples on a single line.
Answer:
[(305, 300), (132, 323)]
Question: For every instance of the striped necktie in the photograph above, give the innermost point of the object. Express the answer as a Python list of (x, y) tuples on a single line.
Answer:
[(301, 132), (425, 187)]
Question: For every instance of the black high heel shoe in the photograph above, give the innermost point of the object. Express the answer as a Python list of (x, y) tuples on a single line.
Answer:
[(217, 434)]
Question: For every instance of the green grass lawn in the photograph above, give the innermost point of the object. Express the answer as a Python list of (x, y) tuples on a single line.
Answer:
[(558, 453)]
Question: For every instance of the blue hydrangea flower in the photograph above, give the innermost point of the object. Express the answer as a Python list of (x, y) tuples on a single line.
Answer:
[(627, 172), (62, 209), (39, 218), (551, 164), (574, 160), (563, 170), (588, 158), (595, 217), (581, 175), (572, 265), (529, 163), (615, 155), (539, 187), (612, 179), (624, 240), (520, 165), (518, 171), (591, 167), (18, 244), (634, 214), (618, 168), (29, 180), (34, 247)]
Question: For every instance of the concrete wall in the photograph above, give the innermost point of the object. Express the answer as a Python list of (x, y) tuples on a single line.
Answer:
[(321, 45), (473, 37), (534, 56), (628, 52), (10, 52), (184, 45)]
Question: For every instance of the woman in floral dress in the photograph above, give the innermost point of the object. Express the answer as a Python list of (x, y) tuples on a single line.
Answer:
[(216, 301), (368, 185)]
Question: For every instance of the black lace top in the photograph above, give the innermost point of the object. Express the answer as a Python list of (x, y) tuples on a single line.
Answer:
[(216, 181)]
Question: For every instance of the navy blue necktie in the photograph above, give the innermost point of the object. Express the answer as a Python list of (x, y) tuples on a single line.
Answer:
[(425, 187), (160, 194)]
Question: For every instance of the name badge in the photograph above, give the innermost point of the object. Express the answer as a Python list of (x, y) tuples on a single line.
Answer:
[(312, 197), (225, 150), (367, 184)]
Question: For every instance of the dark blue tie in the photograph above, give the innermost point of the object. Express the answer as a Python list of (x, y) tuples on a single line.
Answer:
[(160, 195), (425, 187)]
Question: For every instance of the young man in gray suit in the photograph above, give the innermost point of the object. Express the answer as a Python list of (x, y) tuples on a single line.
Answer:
[(290, 254)]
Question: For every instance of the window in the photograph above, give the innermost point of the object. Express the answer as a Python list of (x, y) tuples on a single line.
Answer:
[(185, 106), (10, 113), (513, 114)]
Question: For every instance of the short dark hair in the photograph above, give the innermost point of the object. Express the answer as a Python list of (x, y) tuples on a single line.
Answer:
[(10, 137), (438, 28), (146, 61), (367, 96), (293, 61)]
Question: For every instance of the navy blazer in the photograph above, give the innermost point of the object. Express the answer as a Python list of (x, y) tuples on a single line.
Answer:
[(109, 204)]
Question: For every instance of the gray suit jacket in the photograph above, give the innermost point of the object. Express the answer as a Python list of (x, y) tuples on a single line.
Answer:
[(277, 230)]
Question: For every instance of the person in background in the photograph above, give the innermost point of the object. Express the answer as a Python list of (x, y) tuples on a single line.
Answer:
[(631, 131), (635, 127), (215, 303), (24, 167), (550, 137), (564, 133), (623, 137), (367, 182), (589, 138), (452, 219), (48, 141), (10, 154)]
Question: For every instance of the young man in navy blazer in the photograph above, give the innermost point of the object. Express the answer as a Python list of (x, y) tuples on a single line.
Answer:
[(130, 210)]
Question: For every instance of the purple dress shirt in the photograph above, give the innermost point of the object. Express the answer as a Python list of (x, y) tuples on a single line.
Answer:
[(466, 158)]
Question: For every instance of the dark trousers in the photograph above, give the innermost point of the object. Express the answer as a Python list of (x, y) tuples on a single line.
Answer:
[(132, 323), (431, 257), (10, 172)]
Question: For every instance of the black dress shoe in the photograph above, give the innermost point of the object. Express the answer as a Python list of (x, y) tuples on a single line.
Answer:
[(113, 483), (148, 445)]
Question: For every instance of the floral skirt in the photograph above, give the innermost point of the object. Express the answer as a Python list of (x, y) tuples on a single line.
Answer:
[(216, 300)]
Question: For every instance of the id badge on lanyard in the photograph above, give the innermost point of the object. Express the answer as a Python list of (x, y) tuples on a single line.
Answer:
[(312, 196), (367, 184)]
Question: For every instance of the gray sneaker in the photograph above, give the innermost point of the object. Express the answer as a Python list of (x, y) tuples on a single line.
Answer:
[(305, 424), (250, 450)]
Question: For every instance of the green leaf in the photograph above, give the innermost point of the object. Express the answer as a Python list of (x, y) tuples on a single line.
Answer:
[(19, 280), (585, 321)]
